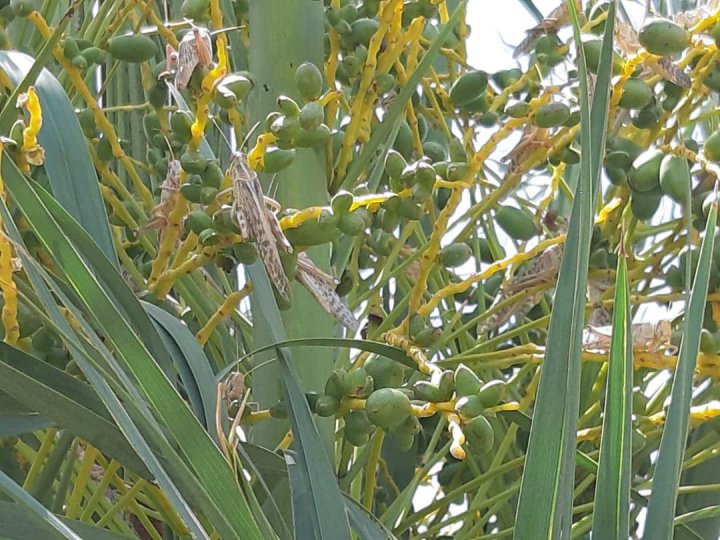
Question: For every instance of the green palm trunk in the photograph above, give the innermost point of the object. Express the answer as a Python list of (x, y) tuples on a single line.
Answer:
[(283, 35)]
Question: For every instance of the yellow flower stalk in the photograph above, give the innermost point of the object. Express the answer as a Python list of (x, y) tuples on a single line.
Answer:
[(32, 152), (256, 156), (9, 289), (223, 312)]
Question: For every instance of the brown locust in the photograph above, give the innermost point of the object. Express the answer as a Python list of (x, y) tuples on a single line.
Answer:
[(257, 222), (195, 49)]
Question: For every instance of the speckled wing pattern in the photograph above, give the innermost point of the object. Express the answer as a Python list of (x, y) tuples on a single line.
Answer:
[(257, 223), (195, 49), (322, 287), (543, 269), (171, 184), (670, 72), (550, 25), (172, 180)]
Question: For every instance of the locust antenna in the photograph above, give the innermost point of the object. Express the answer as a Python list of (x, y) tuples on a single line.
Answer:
[(250, 134), (228, 29), (222, 134), (169, 146)]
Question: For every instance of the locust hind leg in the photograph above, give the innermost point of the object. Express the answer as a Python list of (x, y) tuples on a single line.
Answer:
[(277, 231)]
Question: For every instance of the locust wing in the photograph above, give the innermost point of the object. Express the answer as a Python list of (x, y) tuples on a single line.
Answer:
[(195, 49), (257, 223), (322, 287)]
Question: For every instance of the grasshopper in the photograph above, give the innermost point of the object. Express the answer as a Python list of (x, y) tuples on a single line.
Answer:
[(532, 138), (171, 184), (234, 388), (627, 40), (646, 336), (257, 222), (322, 287), (543, 270), (558, 17), (195, 49)]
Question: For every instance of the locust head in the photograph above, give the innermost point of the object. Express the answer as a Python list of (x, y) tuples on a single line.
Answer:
[(663, 330), (240, 170)]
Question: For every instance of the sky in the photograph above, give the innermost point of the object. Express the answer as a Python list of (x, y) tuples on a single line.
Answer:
[(492, 23)]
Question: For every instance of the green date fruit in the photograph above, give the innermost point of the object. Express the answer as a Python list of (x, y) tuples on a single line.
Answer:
[(426, 391), (711, 149), (644, 204), (645, 173), (198, 10), (385, 372), (491, 393), (468, 87), (23, 8), (592, 48), (428, 337), (311, 115), (194, 162), (466, 381), (388, 407), (197, 221), (277, 159), (455, 255), (517, 223), (326, 405), (551, 115), (133, 48), (309, 81), (663, 37), (181, 124), (636, 94), (70, 48), (239, 83), (337, 385), (707, 342), (479, 433), (675, 177), (469, 406)]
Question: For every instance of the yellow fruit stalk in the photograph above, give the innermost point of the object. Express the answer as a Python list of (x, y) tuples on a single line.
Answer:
[(32, 152), (9, 289), (224, 311)]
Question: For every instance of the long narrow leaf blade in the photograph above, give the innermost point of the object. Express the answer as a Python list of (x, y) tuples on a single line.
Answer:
[(376, 347), (67, 401), (327, 513), (315, 464), (67, 160), (117, 408), (192, 364), (550, 462), (39, 512), (612, 492), (211, 468), (661, 507), (18, 524)]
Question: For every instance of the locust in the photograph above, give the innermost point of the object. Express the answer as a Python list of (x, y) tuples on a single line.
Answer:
[(627, 41), (234, 388), (322, 287), (531, 139), (195, 49), (257, 222), (171, 184), (558, 17), (646, 336), (543, 270)]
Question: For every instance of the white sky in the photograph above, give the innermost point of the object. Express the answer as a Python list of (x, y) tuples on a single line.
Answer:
[(492, 23)]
